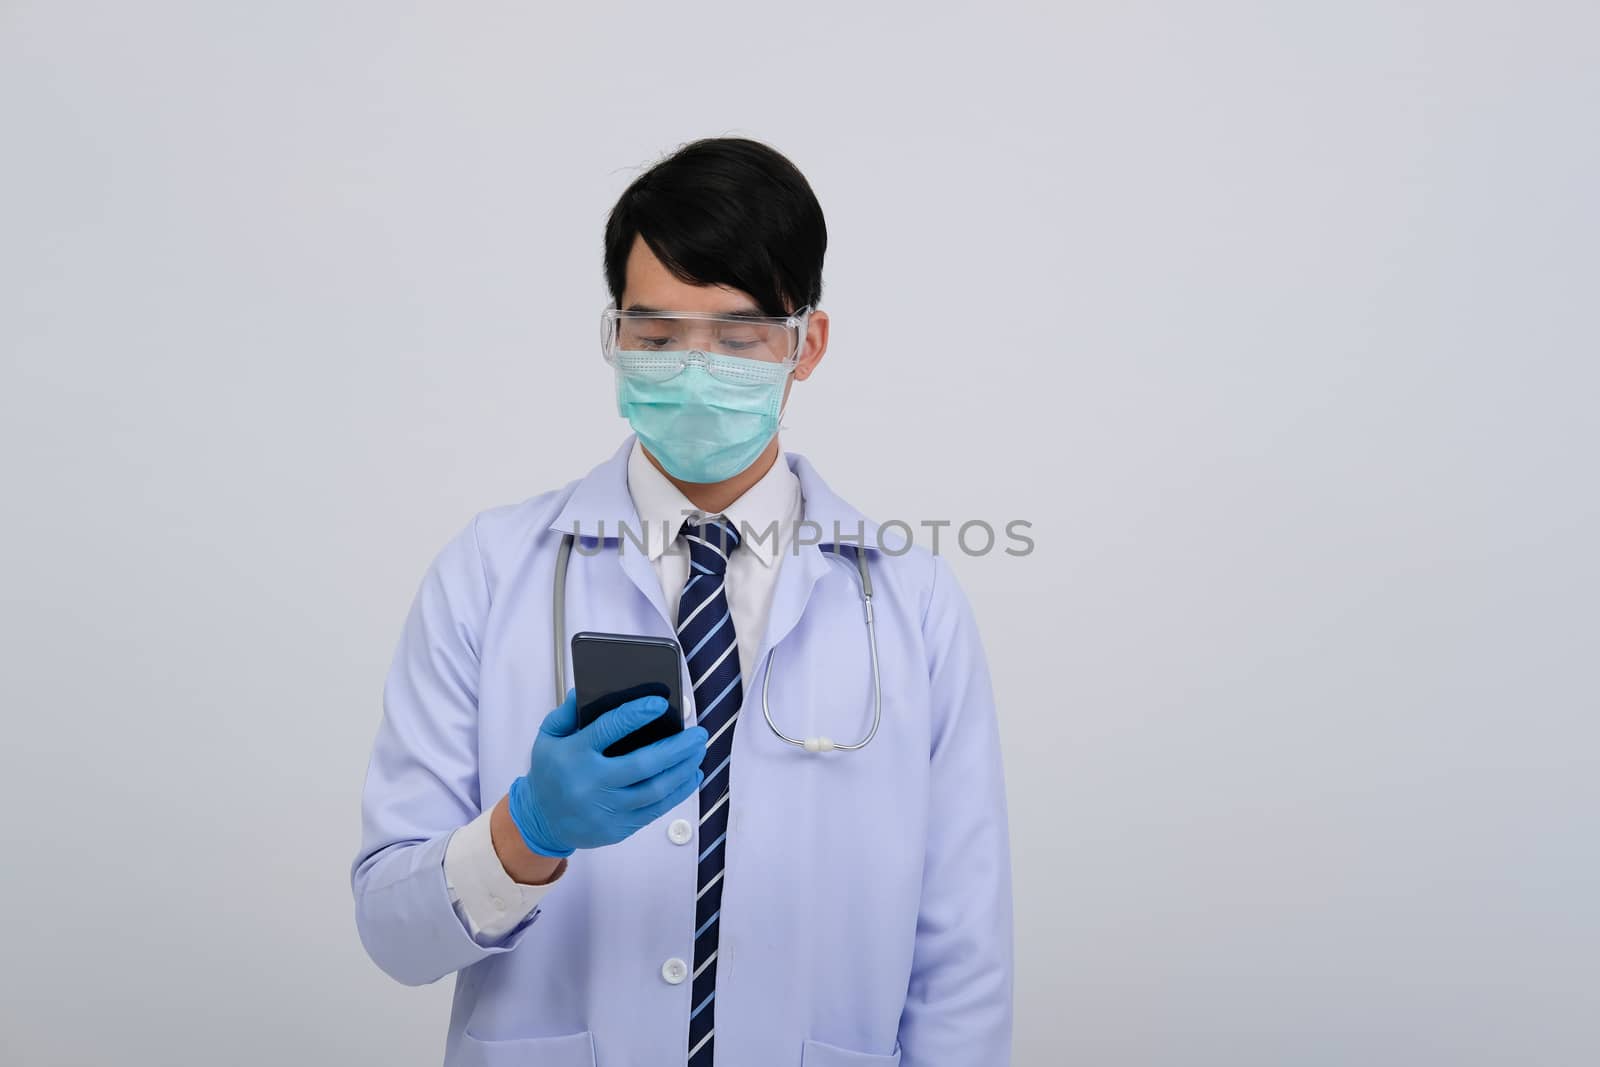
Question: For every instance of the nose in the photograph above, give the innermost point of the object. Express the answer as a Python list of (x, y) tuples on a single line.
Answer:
[(700, 337)]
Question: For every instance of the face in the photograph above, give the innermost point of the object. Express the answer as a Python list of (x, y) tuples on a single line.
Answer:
[(648, 283)]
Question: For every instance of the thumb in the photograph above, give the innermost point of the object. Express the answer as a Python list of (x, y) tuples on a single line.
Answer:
[(563, 720), (622, 720)]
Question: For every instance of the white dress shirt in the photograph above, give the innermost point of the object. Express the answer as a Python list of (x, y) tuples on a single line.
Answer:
[(488, 900)]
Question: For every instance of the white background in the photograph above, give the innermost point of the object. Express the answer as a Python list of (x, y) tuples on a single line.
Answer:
[(1278, 322)]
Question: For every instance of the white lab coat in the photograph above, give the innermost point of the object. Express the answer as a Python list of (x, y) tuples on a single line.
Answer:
[(866, 908)]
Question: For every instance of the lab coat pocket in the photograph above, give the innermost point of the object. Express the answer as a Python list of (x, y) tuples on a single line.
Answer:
[(817, 1054), (568, 1050)]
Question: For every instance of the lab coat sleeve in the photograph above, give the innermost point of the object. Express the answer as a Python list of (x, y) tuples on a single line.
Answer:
[(422, 779), (958, 1007)]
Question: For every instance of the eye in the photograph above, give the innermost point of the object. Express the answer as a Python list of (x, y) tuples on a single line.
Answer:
[(654, 342)]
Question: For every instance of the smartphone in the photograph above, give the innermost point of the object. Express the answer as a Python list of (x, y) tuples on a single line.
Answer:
[(611, 669)]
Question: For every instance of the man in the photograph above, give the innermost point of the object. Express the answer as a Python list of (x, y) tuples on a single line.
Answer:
[(745, 891)]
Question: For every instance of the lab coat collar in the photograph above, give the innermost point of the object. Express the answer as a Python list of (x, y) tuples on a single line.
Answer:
[(836, 521), (772, 503), (600, 501)]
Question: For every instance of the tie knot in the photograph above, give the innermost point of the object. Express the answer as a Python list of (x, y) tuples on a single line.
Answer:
[(710, 543)]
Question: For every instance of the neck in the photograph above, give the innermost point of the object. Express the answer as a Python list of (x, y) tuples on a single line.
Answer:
[(714, 497)]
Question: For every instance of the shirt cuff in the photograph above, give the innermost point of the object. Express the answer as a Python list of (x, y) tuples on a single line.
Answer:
[(488, 900)]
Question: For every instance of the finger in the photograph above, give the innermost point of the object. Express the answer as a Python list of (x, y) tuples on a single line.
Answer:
[(658, 786), (563, 720), (622, 720), (651, 812), (652, 759)]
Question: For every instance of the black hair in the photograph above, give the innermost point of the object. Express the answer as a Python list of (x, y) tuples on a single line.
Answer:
[(725, 211)]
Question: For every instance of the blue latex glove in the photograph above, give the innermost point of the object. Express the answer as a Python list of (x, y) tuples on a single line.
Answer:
[(574, 796)]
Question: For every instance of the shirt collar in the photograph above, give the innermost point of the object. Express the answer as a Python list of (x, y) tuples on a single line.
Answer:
[(773, 503)]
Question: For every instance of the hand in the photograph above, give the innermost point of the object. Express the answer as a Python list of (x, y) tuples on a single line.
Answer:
[(574, 796)]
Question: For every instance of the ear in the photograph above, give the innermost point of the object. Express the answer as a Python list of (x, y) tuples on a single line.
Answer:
[(814, 346)]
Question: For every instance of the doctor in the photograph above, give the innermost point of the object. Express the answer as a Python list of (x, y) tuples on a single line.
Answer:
[(724, 895)]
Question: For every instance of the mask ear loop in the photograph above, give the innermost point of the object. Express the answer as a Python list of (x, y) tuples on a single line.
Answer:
[(802, 320), (782, 426)]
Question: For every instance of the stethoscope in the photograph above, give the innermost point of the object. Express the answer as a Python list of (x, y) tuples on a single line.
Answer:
[(810, 744)]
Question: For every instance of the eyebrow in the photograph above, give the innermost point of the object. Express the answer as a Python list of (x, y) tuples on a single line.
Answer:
[(745, 312)]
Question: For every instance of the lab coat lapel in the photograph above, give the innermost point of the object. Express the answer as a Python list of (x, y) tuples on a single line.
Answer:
[(837, 522), (636, 565), (598, 507), (797, 575)]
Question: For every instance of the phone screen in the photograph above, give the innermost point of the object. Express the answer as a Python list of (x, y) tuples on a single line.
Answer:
[(611, 669)]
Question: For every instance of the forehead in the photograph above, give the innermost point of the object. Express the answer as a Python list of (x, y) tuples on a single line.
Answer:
[(648, 283)]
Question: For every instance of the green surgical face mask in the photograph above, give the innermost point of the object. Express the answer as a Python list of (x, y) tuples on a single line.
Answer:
[(707, 421)]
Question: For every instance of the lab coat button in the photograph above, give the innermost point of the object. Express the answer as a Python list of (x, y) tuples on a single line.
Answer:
[(499, 905), (680, 831), (674, 970)]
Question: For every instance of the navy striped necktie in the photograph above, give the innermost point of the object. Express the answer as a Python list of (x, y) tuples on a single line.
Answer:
[(705, 630)]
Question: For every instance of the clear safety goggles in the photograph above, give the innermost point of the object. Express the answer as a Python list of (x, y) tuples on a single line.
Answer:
[(660, 344)]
